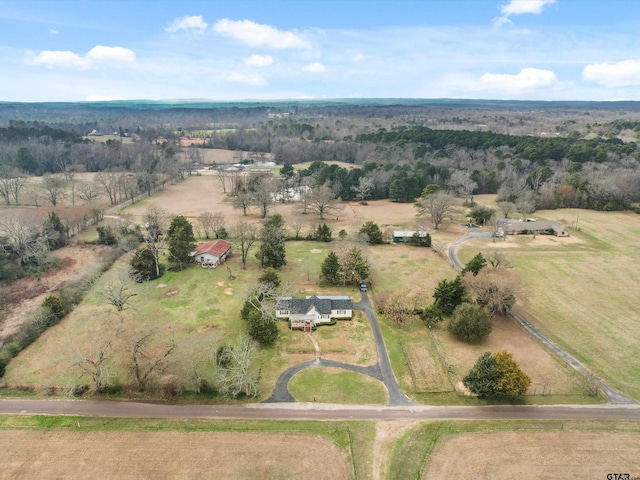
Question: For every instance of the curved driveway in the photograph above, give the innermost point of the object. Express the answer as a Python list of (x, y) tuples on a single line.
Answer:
[(380, 371), (615, 396)]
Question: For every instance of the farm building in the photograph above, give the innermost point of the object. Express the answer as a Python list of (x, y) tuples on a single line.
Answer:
[(540, 228), (311, 311), (404, 236), (212, 254)]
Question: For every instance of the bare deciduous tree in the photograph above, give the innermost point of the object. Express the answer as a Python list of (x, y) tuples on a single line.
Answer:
[(497, 259), (119, 292), (362, 191), (243, 201), (238, 378), (147, 361), (11, 184), (462, 183), (23, 239), (205, 221), (438, 205), (246, 234), (496, 290), (95, 358), (322, 200), (263, 194), (109, 183), (53, 187)]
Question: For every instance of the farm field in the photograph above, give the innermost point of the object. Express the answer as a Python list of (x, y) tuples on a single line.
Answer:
[(582, 291), (117, 448), (516, 449)]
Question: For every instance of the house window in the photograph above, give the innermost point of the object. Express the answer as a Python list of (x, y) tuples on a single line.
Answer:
[(341, 312)]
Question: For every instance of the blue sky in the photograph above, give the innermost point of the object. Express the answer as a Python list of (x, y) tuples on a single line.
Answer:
[(237, 50)]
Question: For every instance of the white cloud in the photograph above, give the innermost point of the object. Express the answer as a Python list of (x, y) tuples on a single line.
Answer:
[(258, 60), (100, 52), (66, 58), (315, 67), (619, 74), (103, 98), (59, 58), (247, 78), (189, 24), (257, 35), (527, 79), (53, 31), (520, 7)]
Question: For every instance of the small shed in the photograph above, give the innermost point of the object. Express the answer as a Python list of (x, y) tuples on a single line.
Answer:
[(212, 254)]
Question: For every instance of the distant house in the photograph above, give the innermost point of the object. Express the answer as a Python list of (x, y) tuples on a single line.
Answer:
[(212, 254), (534, 227), (312, 311), (404, 236)]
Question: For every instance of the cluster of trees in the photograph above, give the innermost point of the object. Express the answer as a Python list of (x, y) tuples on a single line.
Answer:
[(346, 267), (497, 375), (24, 244), (476, 295)]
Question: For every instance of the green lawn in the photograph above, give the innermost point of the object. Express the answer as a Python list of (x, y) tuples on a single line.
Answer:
[(334, 385)]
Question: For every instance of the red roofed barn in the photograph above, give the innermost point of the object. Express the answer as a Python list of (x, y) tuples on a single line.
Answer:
[(212, 254)]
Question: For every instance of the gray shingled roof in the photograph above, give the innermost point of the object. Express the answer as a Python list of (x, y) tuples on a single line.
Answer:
[(323, 305)]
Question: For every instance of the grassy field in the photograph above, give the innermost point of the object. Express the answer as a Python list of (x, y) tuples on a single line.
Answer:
[(582, 290), (516, 449), (335, 385), (61, 447)]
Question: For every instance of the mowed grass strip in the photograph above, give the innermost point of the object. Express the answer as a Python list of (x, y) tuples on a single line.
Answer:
[(427, 372), (582, 292), (335, 385)]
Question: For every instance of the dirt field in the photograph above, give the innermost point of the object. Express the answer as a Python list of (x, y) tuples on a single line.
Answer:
[(548, 375), (534, 455), (175, 455)]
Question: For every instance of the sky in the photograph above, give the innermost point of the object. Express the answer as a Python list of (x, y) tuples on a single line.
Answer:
[(97, 50)]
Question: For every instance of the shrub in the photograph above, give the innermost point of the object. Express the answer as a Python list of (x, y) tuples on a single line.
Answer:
[(470, 323)]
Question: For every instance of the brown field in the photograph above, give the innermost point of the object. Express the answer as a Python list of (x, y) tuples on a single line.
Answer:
[(548, 374), (176, 455), (427, 372), (534, 455), (582, 290)]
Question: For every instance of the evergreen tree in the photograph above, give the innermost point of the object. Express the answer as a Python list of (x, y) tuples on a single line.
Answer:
[(270, 276), (484, 377), (272, 250), (474, 265), (470, 323), (55, 231), (373, 232), (330, 269), (143, 265), (323, 233), (448, 295), (181, 242)]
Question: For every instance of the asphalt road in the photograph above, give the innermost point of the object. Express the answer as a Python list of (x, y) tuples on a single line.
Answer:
[(313, 411)]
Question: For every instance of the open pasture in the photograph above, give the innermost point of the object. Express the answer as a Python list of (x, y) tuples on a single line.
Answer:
[(534, 455), (170, 454), (582, 291)]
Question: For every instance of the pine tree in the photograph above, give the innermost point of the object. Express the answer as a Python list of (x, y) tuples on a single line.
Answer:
[(330, 269), (272, 250), (181, 242)]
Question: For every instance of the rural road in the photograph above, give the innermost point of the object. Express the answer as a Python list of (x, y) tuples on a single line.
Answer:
[(615, 396), (314, 411)]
